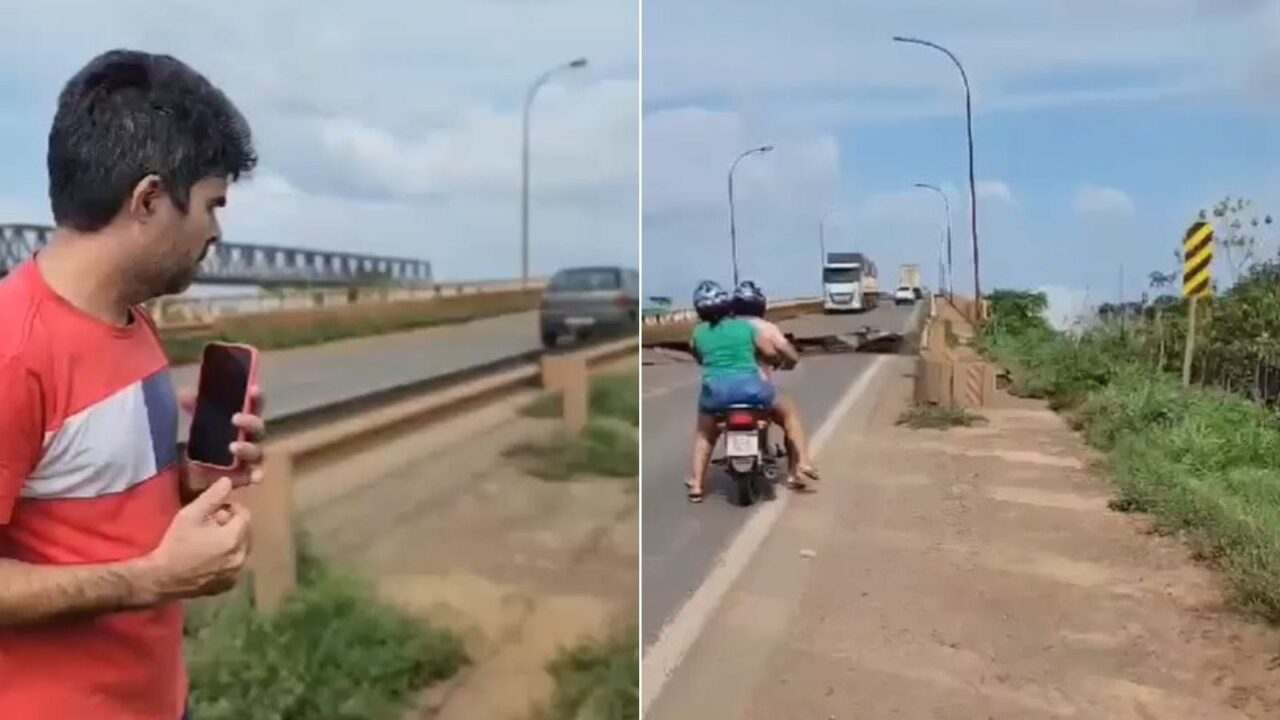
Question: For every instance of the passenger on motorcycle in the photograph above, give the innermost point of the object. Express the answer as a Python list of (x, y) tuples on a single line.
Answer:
[(749, 303), (727, 348)]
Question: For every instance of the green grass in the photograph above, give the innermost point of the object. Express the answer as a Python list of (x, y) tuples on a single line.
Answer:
[(606, 448), (548, 405), (332, 652), (289, 329), (183, 350), (597, 680), (1204, 463), (612, 396), (938, 417)]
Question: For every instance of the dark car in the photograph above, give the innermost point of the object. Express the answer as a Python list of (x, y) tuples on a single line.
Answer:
[(585, 302)]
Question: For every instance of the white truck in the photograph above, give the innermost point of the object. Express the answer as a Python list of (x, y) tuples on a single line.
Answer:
[(909, 289), (849, 283)]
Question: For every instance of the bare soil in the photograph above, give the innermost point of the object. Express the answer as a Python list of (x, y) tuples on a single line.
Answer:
[(974, 573), (450, 529)]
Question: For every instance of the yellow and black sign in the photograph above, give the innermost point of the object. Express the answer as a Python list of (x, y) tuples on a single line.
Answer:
[(1197, 257)]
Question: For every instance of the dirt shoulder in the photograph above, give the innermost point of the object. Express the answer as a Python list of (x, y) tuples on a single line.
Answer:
[(972, 573), (448, 527)]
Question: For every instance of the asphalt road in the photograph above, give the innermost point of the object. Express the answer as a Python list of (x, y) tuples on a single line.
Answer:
[(304, 378), (681, 541)]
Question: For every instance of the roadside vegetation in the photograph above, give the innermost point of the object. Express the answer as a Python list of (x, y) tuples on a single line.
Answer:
[(597, 680), (939, 417), (1202, 460), (332, 652), (609, 446), (612, 396), (298, 328), (600, 679)]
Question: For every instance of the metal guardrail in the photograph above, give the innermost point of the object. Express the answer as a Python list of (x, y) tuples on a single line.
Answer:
[(304, 419), (373, 416), (309, 418), (182, 312)]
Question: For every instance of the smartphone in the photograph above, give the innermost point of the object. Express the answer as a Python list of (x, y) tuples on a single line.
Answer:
[(227, 371)]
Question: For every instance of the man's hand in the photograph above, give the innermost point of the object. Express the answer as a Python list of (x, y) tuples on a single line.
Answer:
[(196, 478), (201, 553)]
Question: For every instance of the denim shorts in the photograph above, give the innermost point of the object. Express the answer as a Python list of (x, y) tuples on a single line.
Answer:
[(721, 392)]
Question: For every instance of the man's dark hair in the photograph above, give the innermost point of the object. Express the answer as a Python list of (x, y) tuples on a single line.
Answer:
[(129, 114)]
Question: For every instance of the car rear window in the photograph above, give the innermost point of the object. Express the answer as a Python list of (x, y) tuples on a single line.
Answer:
[(586, 279)]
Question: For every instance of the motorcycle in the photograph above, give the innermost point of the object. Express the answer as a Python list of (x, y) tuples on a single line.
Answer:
[(750, 457)]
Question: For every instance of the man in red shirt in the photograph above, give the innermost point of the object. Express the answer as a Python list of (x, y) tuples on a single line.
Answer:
[(97, 548)]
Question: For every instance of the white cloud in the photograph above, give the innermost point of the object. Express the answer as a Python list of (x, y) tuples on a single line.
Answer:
[(469, 242), (1103, 202), (389, 126), (690, 150), (995, 190), (577, 142), (779, 198), (842, 50)]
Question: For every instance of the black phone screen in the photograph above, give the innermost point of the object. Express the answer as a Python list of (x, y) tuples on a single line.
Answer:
[(224, 384)]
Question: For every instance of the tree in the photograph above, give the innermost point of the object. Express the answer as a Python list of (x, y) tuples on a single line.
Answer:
[(1158, 280), (1236, 231)]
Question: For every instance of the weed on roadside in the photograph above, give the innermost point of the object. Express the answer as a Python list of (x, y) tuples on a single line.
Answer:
[(1203, 462), (332, 652), (612, 396), (597, 680), (939, 417), (606, 448), (288, 329)]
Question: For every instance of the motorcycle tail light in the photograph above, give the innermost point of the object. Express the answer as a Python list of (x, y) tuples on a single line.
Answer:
[(741, 420)]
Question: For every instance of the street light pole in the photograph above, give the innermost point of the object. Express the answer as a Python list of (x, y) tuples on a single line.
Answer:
[(524, 163), (733, 230), (946, 204), (973, 193)]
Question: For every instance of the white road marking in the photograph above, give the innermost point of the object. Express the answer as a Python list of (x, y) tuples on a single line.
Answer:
[(679, 634)]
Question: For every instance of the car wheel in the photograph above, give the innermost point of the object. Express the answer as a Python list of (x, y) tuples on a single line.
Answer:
[(549, 340)]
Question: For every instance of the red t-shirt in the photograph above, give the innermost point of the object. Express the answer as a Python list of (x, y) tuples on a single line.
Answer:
[(88, 474)]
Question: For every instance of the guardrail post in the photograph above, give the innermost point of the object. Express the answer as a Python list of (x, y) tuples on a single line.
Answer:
[(567, 374), (272, 557)]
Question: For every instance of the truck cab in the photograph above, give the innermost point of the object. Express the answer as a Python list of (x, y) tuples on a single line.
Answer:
[(848, 283), (841, 287)]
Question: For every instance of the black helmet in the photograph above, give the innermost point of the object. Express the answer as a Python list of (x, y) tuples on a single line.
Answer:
[(749, 299), (711, 301)]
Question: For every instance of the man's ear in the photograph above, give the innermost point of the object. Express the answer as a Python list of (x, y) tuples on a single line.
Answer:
[(144, 201)]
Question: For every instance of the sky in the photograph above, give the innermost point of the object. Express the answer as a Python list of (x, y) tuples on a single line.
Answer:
[(1101, 128), (386, 127)]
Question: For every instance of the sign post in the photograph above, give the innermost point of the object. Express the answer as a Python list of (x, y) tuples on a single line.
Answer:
[(1197, 257)]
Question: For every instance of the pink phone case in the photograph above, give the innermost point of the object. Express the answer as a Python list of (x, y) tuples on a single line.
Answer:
[(253, 380)]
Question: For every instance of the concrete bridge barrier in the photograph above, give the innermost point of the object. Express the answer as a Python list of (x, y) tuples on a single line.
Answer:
[(950, 370)]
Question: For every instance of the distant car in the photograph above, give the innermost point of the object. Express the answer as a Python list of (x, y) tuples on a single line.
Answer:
[(582, 302), (904, 295)]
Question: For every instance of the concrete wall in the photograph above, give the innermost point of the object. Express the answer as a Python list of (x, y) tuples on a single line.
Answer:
[(950, 372), (184, 312), (676, 326)]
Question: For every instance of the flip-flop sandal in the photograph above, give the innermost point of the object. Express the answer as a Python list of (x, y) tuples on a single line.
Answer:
[(797, 485), (800, 482), (694, 496)]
